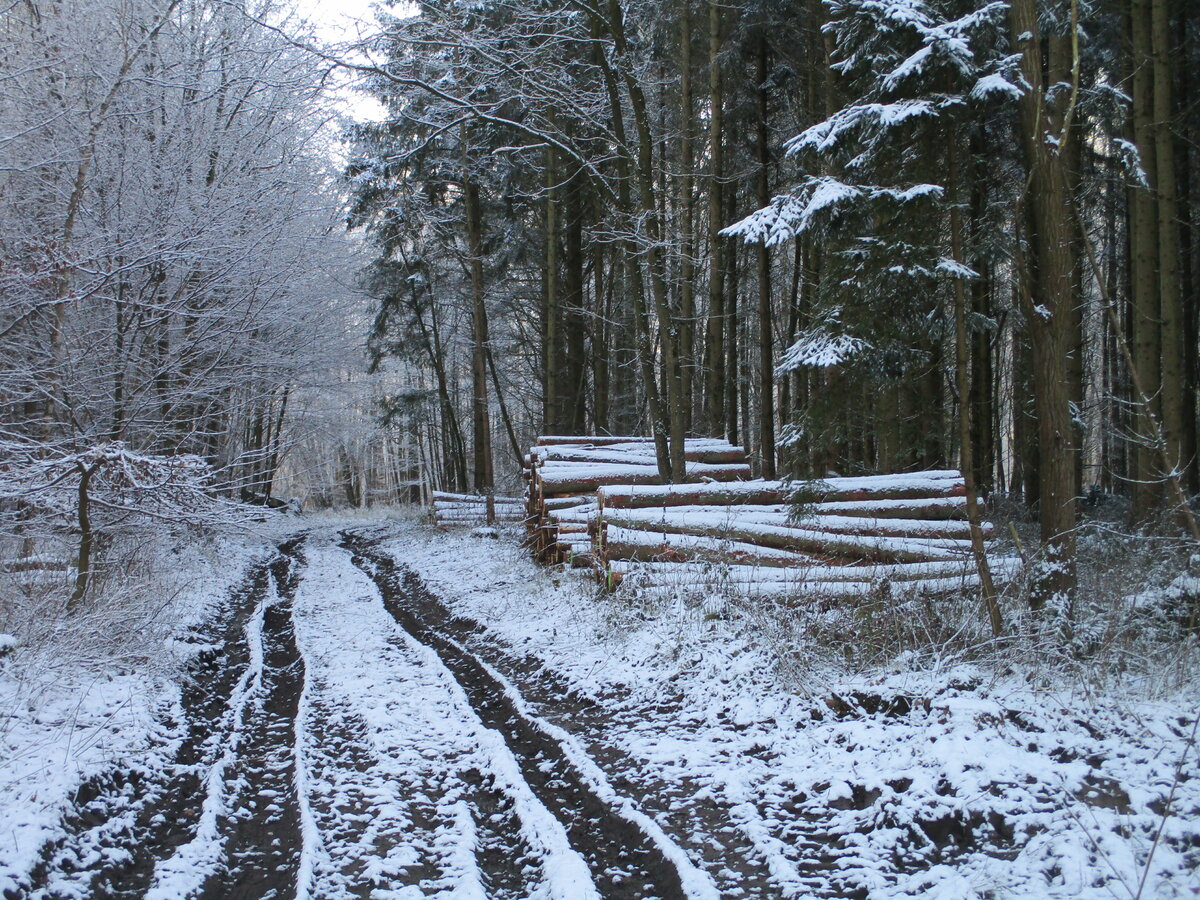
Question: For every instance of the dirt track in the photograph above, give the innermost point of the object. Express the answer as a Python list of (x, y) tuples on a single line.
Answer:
[(219, 813)]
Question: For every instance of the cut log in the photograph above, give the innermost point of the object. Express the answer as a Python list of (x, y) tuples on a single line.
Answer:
[(928, 528), (826, 544), (473, 498), (584, 514), (1003, 568), (596, 440), (644, 454), (915, 508), (478, 510), (632, 544), (725, 517), (575, 478), (604, 440), (917, 486), (568, 502), (479, 517), (826, 591), (636, 496)]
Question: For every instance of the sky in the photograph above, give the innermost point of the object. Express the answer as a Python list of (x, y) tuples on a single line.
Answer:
[(339, 20), (342, 22)]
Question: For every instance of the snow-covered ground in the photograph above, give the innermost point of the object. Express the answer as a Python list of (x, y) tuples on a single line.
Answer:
[(368, 739), (956, 783), (102, 687)]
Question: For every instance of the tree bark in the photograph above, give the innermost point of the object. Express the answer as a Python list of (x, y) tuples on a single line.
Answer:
[(551, 407), (714, 343), (1170, 305), (687, 275), (83, 570), (482, 435), (962, 379), (1143, 242), (1048, 315), (575, 370), (766, 327)]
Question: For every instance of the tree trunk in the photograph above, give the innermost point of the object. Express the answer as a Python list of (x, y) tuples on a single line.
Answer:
[(766, 327), (550, 313), (714, 344), (630, 215), (83, 571), (482, 431), (575, 370), (731, 324), (1143, 242), (687, 288), (602, 329), (1170, 304), (962, 381), (1048, 315)]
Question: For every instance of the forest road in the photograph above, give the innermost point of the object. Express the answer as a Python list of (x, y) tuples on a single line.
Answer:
[(336, 738)]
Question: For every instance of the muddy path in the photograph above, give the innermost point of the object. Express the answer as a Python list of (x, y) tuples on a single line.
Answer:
[(128, 822), (119, 816), (278, 780), (262, 840), (625, 862), (700, 823)]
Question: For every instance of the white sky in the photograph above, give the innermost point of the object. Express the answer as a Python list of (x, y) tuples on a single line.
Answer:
[(339, 20), (344, 22)]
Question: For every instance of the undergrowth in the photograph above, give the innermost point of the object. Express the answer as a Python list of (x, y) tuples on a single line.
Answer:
[(1132, 627), (121, 625)]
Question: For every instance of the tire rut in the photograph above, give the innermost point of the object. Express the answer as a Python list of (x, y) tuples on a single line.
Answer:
[(131, 817), (623, 860), (262, 837), (700, 822), (127, 820)]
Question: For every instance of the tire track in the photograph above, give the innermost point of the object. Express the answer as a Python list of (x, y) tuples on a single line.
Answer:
[(401, 795), (625, 861), (262, 837), (711, 829), (218, 816), (127, 819)]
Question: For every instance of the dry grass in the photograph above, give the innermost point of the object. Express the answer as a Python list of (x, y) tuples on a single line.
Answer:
[(1132, 627)]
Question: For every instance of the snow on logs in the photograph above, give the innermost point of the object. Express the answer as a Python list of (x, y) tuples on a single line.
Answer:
[(471, 509), (939, 489), (600, 503), (831, 539), (565, 472)]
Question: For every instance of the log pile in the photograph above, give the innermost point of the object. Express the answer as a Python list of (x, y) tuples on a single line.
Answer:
[(852, 535), (471, 509), (564, 474)]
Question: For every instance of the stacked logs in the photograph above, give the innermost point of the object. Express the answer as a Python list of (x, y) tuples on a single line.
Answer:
[(837, 538), (471, 509), (564, 474)]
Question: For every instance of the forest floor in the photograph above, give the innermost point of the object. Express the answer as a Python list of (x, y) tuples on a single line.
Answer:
[(371, 709)]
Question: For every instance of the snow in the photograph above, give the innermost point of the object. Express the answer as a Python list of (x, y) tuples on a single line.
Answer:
[(974, 745), (69, 712), (185, 872), (710, 521), (696, 883), (658, 541), (819, 349), (995, 85), (918, 776), (824, 136), (418, 737), (788, 216), (935, 481)]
